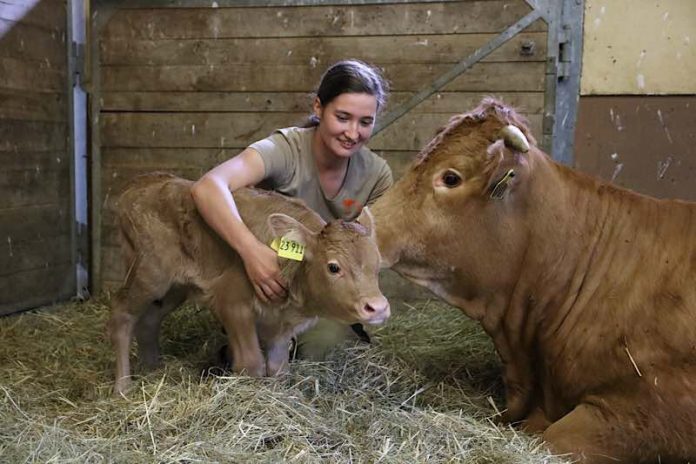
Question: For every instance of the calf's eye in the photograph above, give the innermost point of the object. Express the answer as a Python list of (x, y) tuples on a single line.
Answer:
[(334, 268), (451, 179)]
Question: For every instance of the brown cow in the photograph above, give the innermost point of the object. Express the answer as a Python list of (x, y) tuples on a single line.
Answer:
[(587, 290), (172, 254)]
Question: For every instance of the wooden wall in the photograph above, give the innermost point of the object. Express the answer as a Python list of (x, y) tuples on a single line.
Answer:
[(184, 88), (35, 198)]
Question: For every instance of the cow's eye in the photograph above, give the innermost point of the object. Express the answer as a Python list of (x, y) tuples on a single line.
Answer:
[(451, 179), (334, 268)]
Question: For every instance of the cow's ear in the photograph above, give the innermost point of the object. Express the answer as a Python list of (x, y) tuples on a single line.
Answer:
[(367, 221), (282, 225), (505, 170)]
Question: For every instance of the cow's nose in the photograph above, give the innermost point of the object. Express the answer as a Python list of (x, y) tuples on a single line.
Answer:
[(375, 310)]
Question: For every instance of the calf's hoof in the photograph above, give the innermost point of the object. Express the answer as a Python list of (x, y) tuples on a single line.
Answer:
[(121, 386)]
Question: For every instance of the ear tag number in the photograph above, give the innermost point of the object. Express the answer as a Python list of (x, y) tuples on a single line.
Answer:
[(502, 185), (288, 249)]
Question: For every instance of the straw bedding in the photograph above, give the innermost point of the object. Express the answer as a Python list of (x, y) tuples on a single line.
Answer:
[(426, 390)]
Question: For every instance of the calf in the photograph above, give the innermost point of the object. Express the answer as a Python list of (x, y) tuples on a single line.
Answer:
[(171, 254)]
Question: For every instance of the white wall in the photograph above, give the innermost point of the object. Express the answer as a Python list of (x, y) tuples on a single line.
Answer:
[(639, 47)]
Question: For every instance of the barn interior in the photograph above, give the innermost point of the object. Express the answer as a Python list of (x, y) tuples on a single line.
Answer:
[(94, 93)]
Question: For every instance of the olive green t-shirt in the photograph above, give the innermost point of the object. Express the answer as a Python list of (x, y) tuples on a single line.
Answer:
[(291, 170)]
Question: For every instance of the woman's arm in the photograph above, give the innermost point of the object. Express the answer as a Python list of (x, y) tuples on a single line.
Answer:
[(214, 201)]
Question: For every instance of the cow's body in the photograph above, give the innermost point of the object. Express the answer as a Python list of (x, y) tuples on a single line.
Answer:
[(173, 255), (588, 290)]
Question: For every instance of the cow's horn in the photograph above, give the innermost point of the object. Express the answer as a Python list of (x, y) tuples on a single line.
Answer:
[(514, 138)]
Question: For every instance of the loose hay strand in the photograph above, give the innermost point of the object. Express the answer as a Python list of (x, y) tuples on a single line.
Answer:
[(420, 393)]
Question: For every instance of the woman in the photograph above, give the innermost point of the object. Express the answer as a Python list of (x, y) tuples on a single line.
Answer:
[(325, 164)]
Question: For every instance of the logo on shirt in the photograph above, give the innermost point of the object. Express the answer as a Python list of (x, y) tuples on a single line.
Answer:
[(351, 208)]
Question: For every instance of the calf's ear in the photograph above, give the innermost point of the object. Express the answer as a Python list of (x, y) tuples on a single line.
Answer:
[(367, 221), (282, 225)]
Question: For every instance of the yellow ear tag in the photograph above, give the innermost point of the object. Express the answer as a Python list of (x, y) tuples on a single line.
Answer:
[(288, 249), (502, 185)]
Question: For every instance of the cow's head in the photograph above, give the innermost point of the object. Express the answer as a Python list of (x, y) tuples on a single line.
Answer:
[(340, 268), (456, 208)]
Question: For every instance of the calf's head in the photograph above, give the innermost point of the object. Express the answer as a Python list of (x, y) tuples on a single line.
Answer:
[(339, 272), (459, 204)]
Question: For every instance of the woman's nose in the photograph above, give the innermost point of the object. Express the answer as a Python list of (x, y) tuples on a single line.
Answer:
[(352, 131)]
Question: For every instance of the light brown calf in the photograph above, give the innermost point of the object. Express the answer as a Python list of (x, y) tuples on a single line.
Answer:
[(172, 254), (587, 290)]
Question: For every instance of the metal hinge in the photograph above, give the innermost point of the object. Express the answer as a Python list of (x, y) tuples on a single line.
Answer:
[(78, 70), (564, 52)]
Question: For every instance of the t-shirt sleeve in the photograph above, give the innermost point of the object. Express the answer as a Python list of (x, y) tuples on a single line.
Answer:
[(384, 181), (277, 158)]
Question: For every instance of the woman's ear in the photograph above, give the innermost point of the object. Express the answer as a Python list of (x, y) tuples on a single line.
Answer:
[(317, 108)]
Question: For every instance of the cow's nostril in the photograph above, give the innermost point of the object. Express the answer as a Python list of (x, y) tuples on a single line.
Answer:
[(369, 309)]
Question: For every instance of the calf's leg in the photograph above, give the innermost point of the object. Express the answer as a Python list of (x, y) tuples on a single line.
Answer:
[(239, 319), (278, 356), (127, 305), (148, 325)]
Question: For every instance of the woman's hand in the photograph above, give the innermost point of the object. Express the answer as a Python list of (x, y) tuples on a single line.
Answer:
[(261, 264)]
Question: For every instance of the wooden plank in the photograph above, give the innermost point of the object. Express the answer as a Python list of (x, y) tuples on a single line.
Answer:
[(201, 130), (27, 75), (33, 161), (114, 269), (237, 130), (297, 102), (33, 106), (359, 20), (322, 51), (24, 255), (207, 101), (165, 158), (28, 188), (48, 14), (33, 288), (483, 77), (34, 136), (33, 222), (27, 42), (399, 161)]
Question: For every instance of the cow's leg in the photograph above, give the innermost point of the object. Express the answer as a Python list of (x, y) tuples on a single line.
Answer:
[(584, 433), (148, 325), (536, 422)]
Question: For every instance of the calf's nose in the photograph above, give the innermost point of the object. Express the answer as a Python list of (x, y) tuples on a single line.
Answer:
[(375, 310)]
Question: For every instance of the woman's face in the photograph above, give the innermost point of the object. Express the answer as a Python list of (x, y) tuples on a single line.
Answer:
[(346, 122)]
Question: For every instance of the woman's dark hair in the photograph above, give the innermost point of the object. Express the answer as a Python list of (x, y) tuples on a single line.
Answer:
[(350, 76)]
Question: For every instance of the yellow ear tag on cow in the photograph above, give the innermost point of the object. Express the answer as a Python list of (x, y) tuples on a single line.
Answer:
[(502, 185), (288, 249)]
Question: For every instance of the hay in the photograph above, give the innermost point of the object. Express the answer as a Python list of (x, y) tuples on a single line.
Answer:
[(421, 392)]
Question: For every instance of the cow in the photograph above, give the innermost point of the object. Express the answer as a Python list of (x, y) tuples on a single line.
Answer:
[(587, 290), (172, 255)]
